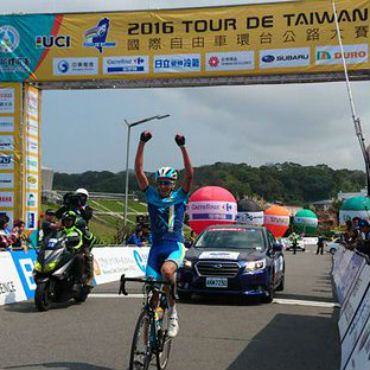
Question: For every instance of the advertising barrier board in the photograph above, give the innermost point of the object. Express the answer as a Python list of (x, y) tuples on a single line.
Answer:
[(24, 263), (350, 306), (355, 328), (111, 262), (11, 289)]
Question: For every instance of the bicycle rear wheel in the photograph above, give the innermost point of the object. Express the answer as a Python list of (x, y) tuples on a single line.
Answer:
[(140, 349), (163, 355)]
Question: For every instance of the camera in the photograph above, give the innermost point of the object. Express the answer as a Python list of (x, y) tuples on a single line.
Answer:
[(72, 199)]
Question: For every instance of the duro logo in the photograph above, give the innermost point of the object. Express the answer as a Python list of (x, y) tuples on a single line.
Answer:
[(46, 42), (325, 55)]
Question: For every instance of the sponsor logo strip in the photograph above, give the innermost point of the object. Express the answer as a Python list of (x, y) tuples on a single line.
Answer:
[(177, 63), (126, 65), (285, 58), (353, 54), (233, 61), (75, 66)]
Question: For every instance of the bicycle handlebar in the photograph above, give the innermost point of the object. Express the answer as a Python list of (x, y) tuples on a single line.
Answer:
[(149, 281)]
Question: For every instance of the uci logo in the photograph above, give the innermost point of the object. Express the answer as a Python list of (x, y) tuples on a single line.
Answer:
[(46, 42)]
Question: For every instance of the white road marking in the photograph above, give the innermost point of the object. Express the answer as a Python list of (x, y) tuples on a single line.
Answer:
[(296, 302), (299, 302), (115, 295)]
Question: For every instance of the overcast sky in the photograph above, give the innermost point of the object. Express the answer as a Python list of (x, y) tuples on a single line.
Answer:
[(306, 124)]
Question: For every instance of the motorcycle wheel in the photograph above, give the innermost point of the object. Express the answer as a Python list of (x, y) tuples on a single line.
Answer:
[(42, 297), (82, 296)]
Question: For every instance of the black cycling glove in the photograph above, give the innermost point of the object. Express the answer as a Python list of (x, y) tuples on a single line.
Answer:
[(180, 140), (145, 136)]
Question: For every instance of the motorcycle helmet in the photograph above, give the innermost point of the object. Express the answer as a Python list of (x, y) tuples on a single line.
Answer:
[(69, 219), (84, 195)]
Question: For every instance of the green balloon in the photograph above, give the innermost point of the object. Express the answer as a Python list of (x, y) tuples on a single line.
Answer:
[(305, 221), (356, 204)]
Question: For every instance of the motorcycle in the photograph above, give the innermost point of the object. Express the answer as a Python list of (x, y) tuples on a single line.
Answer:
[(54, 273)]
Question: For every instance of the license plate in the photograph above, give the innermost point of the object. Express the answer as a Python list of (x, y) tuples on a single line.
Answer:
[(216, 282)]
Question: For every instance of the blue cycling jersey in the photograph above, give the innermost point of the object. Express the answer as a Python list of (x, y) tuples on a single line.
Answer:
[(166, 214)]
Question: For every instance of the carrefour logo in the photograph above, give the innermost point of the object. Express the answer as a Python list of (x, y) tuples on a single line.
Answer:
[(46, 42), (9, 39)]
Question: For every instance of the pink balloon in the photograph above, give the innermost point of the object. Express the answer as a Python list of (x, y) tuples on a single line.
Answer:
[(211, 205)]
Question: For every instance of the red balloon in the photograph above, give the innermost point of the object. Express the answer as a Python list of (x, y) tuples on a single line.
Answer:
[(277, 220), (211, 205)]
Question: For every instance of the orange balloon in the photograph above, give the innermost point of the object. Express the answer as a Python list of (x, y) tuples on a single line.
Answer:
[(276, 220)]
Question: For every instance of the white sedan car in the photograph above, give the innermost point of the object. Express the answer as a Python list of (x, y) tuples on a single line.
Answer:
[(332, 247)]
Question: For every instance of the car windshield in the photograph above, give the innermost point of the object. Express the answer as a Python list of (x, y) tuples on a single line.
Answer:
[(232, 238)]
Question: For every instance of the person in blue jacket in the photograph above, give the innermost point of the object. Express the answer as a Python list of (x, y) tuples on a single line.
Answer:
[(136, 238)]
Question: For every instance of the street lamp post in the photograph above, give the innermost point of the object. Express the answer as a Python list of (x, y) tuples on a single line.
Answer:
[(129, 125)]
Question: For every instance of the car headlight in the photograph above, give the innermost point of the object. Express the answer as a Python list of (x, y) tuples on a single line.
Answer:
[(255, 265), (188, 264)]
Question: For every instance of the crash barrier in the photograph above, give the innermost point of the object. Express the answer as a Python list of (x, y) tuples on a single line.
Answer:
[(17, 284), (351, 275), (306, 241)]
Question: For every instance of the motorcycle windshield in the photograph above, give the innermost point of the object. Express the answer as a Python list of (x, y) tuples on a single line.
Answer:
[(55, 243)]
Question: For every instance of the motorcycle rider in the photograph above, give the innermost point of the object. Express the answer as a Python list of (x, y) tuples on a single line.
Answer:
[(76, 238), (77, 202)]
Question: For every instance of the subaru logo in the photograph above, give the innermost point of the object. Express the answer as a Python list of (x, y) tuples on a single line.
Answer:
[(268, 58), (217, 266)]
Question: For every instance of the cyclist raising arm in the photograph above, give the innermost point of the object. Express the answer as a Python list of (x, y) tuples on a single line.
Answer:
[(166, 210)]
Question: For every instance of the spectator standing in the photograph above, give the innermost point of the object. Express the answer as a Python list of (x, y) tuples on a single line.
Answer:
[(136, 238), (5, 236), (49, 226), (363, 244), (21, 240), (320, 245)]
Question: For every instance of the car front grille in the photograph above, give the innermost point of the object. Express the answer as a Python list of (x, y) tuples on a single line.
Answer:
[(217, 268)]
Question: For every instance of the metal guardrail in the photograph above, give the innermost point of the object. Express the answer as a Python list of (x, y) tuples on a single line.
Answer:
[(94, 194)]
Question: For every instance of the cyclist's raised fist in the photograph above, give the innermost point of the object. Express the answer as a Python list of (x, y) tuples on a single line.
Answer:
[(180, 140), (145, 136)]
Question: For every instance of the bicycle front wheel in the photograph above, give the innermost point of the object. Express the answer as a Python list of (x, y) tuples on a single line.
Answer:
[(162, 356), (140, 349)]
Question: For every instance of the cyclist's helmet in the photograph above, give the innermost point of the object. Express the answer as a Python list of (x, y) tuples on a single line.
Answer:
[(69, 218), (166, 173)]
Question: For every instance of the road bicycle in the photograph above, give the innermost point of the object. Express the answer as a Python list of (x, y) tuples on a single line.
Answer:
[(150, 338)]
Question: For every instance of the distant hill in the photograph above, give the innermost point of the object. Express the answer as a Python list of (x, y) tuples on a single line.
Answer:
[(286, 182)]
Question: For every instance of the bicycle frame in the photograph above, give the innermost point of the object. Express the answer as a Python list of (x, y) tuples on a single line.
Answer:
[(157, 337)]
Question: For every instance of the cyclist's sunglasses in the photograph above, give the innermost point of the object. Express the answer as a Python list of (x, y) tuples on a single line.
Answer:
[(164, 182)]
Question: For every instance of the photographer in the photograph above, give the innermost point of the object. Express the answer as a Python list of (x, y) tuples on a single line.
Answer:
[(77, 202)]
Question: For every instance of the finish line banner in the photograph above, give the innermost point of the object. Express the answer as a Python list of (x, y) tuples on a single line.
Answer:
[(247, 40)]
